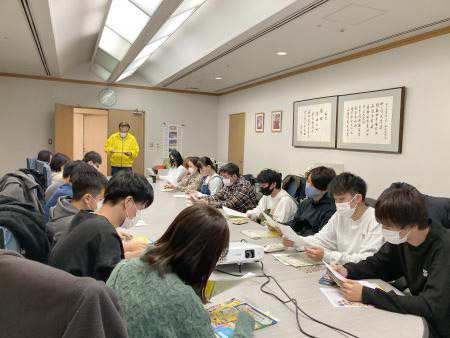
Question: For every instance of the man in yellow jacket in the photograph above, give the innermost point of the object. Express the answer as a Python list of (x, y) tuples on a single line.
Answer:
[(122, 148)]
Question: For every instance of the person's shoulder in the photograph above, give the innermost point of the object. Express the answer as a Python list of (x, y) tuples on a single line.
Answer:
[(132, 136)]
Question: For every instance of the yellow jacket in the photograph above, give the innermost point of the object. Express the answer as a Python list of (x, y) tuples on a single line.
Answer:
[(119, 146)]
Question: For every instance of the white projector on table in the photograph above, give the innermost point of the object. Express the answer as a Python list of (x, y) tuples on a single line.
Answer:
[(242, 252)]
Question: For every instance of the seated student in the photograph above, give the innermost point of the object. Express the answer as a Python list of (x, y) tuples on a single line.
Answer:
[(91, 246), (275, 201), (316, 210), (45, 156), (63, 190), (167, 284), (237, 194), (88, 186), (415, 249), (176, 171), (56, 165), (192, 180), (352, 233), (93, 158), (212, 182)]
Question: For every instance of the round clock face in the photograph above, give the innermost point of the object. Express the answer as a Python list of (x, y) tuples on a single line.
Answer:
[(107, 97)]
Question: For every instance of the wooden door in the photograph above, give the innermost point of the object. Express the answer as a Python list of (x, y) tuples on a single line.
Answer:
[(78, 136), (137, 123), (64, 129), (95, 135), (236, 139)]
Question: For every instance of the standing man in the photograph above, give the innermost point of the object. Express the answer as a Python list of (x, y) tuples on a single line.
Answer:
[(123, 149)]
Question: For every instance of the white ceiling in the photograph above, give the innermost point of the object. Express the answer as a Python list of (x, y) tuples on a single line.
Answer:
[(314, 36), (201, 49)]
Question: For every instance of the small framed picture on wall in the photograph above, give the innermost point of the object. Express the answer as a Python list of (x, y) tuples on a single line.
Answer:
[(259, 122), (277, 120)]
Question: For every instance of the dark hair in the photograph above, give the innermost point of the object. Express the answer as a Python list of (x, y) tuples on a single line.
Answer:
[(321, 177), (347, 183), (44, 156), (92, 156), (70, 168), (197, 238), (205, 161), (230, 169), (58, 161), (269, 176), (402, 207), (194, 160), (124, 124), (177, 156), (87, 180), (128, 183)]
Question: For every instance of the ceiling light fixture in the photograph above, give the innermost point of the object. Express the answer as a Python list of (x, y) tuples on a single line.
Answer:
[(218, 78), (282, 53), (126, 21)]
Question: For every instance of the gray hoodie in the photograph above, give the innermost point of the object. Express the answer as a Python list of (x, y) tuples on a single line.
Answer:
[(61, 217)]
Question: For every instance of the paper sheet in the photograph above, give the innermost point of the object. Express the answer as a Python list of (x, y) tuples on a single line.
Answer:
[(338, 278), (143, 239), (181, 196), (140, 223), (286, 231), (220, 284), (337, 300), (165, 190), (298, 259), (233, 213), (257, 234)]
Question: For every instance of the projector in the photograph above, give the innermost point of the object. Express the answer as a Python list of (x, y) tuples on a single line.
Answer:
[(242, 252)]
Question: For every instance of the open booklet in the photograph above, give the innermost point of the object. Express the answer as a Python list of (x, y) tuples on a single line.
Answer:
[(338, 278), (230, 213), (220, 284), (224, 317), (287, 231)]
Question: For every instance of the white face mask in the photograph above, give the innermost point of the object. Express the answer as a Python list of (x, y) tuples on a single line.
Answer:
[(344, 208), (123, 135), (129, 222), (227, 182), (393, 237), (99, 205), (191, 170)]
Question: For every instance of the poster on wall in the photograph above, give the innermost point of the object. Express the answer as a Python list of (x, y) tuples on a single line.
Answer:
[(371, 121), (172, 138), (315, 123)]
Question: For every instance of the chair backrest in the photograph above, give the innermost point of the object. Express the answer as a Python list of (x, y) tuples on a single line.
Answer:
[(370, 202), (31, 163), (44, 169), (295, 186)]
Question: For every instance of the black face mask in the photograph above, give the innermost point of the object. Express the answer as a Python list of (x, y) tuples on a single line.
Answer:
[(266, 191)]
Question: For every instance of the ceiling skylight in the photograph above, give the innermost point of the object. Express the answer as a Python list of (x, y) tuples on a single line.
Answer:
[(126, 19), (114, 44), (148, 6)]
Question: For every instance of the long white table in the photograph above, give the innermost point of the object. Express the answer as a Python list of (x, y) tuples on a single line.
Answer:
[(362, 322)]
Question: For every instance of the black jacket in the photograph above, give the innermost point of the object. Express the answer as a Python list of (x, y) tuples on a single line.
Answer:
[(311, 216), (27, 226)]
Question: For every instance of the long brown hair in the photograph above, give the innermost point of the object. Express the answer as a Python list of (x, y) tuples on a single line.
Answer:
[(197, 238)]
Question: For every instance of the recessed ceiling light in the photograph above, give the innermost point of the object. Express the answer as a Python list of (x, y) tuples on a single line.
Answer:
[(218, 78), (281, 53)]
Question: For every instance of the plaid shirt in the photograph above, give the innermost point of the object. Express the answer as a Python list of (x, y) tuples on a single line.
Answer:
[(240, 196)]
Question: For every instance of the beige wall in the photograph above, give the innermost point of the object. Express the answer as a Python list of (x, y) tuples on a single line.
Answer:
[(27, 106), (424, 68)]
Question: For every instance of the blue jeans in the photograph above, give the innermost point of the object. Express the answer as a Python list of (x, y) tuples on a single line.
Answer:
[(115, 170)]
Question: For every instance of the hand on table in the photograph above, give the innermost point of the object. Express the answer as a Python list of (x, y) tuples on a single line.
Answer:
[(169, 186), (196, 200), (315, 253)]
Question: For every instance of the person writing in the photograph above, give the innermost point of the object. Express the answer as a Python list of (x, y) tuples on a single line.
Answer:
[(122, 147)]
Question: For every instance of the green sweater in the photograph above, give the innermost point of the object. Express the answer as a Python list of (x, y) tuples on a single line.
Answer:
[(156, 306)]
